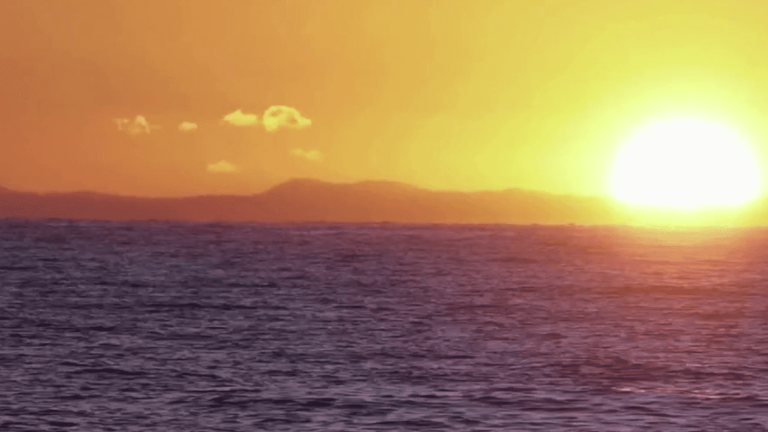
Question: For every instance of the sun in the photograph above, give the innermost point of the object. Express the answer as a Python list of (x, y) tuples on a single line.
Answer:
[(685, 163)]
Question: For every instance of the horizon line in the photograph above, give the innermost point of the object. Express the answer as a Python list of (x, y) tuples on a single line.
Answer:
[(299, 179)]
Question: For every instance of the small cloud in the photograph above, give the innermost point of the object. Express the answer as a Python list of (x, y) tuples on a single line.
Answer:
[(278, 116), (187, 126), (139, 125), (312, 155), (238, 118), (221, 166)]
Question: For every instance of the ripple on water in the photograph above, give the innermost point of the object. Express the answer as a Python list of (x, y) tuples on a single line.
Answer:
[(163, 326)]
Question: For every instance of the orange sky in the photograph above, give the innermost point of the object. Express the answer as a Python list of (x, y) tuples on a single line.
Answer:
[(443, 94)]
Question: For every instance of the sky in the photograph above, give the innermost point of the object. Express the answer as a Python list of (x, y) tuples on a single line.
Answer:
[(187, 97)]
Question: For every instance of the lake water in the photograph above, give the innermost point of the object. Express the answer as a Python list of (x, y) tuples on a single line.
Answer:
[(207, 327)]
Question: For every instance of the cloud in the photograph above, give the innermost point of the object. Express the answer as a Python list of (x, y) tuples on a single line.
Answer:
[(187, 126), (139, 125), (238, 118), (312, 155), (221, 166), (278, 116)]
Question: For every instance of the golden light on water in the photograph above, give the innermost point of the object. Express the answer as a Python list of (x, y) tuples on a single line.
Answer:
[(685, 163)]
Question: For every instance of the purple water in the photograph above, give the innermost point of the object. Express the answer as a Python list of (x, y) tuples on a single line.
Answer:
[(206, 327)]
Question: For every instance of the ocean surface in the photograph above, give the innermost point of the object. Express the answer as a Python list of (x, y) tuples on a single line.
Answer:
[(157, 326)]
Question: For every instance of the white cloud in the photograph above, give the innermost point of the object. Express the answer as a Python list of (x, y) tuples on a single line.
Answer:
[(187, 126), (139, 125), (278, 116), (312, 155), (221, 166), (238, 118)]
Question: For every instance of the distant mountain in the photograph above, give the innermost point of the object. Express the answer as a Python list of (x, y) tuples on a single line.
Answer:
[(380, 201), (305, 200)]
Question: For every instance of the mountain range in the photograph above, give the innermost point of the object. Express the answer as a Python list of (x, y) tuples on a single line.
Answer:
[(306, 200)]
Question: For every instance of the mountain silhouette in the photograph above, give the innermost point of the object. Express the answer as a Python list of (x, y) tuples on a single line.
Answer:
[(308, 200)]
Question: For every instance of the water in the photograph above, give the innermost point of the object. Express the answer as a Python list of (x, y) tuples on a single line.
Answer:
[(205, 327)]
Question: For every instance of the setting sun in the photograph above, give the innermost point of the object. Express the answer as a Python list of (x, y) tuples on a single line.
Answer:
[(685, 163)]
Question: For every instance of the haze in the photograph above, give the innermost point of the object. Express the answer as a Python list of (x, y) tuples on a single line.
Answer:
[(178, 98)]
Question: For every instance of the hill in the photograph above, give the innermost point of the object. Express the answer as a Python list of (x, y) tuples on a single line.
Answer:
[(304, 200)]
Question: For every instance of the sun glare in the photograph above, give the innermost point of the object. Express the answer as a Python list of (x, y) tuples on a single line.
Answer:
[(685, 163)]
